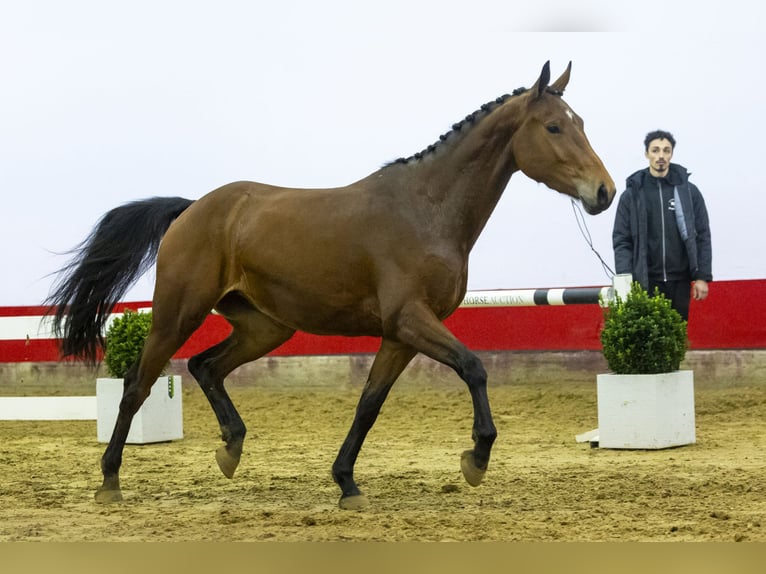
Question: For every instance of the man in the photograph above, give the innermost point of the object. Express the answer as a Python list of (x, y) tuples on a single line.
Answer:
[(661, 230)]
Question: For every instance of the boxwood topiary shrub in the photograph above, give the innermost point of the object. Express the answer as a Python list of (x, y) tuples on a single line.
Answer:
[(125, 340), (643, 334)]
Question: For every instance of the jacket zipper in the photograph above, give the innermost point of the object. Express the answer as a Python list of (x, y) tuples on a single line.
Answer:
[(662, 218)]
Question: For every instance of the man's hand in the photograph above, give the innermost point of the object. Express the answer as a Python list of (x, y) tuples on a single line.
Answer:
[(699, 290)]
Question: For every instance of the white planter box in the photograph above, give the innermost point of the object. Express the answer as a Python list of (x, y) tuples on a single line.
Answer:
[(646, 411), (159, 419)]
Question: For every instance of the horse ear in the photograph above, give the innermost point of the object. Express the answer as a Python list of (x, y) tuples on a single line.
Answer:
[(560, 85), (542, 81)]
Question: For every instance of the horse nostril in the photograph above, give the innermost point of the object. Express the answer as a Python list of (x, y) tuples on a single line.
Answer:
[(603, 196)]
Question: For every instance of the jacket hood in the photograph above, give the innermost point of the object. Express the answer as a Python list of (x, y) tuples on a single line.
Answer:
[(677, 175)]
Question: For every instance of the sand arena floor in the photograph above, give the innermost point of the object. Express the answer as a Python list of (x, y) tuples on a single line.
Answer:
[(541, 484)]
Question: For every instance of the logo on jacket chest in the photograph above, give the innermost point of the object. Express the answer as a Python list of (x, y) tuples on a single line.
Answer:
[(672, 204)]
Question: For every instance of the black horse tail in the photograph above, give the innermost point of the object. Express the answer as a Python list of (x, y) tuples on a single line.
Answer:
[(121, 248)]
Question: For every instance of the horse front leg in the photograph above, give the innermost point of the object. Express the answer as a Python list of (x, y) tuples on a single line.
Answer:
[(420, 328), (390, 361), (474, 463)]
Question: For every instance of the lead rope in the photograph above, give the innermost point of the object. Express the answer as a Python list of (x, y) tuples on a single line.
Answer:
[(581, 223)]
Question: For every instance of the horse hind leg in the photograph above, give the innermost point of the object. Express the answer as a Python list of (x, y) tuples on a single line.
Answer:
[(253, 335), (158, 349)]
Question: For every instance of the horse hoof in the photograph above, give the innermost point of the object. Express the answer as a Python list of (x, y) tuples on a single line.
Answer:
[(472, 473), (354, 502), (226, 462), (108, 496)]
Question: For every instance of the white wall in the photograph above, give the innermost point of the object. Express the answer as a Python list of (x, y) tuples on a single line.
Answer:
[(104, 104)]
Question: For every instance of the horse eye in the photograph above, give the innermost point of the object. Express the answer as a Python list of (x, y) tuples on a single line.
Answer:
[(553, 129)]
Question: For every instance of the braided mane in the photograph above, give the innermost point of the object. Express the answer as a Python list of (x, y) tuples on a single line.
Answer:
[(467, 122)]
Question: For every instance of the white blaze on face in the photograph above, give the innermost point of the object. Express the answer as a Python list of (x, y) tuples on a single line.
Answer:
[(570, 115)]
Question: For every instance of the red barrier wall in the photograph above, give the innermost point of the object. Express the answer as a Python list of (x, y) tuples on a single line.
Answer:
[(733, 317)]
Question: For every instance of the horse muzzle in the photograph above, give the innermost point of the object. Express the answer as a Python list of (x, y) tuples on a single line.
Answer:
[(601, 200)]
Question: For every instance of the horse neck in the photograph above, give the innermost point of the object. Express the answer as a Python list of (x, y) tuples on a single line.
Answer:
[(459, 185)]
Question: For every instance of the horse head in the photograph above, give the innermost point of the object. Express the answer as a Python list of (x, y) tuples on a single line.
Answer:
[(550, 145)]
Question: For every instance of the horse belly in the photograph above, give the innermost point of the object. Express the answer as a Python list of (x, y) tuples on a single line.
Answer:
[(319, 312)]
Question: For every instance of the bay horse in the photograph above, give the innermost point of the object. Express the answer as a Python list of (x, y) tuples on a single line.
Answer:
[(386, 256)]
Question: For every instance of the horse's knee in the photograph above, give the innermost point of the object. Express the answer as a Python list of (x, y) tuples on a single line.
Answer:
[(472, 371)]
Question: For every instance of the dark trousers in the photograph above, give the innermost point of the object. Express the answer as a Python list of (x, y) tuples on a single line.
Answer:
[(678, 292)]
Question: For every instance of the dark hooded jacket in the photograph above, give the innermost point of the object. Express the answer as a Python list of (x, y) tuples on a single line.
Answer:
[(630, 236)]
